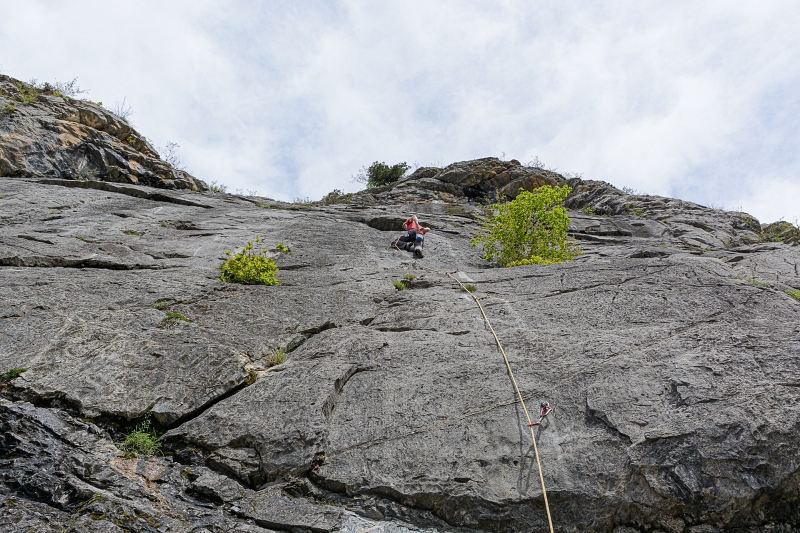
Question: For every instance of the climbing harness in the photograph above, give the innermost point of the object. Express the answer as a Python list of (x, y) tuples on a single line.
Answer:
[(545, 408)]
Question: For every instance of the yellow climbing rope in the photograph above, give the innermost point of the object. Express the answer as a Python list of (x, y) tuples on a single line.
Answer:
[(513, 380)]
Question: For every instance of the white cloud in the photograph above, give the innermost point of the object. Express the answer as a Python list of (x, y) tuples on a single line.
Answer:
[(693, 100)]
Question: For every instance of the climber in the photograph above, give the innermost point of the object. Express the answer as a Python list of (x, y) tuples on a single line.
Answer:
[(406, 242), (420, 241)]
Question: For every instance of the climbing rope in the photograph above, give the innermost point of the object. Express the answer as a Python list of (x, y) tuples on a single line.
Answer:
[(545, 408)]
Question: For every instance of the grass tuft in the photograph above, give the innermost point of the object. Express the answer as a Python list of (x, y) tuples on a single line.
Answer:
[(142, 441), (277, 357), (794, 293), (133, 232), (161, 304), (12, 374), (469, 288), (282, 248), (409, 277), (176, 316), (399, 285)]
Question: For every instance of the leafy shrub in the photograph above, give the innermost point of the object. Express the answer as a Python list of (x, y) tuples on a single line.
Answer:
[(277, 357), (530, 230), (250, 267), (794, 293), (282, 248), (12, 374), (141, 441), (217, 187), (65, 89), (399, 285), (379, 174), (337, 197), (9, 109)]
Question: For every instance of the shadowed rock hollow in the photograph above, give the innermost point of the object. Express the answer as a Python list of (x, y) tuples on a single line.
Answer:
[(670, 350)]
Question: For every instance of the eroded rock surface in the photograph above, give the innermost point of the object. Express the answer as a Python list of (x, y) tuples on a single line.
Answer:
[(54, 136), (670, 350)]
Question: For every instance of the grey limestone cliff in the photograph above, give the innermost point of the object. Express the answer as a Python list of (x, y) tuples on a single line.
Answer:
[(670, 349)]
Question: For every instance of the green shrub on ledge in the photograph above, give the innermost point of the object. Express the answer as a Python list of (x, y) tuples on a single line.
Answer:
[(250, 267), (529, 230), (142, 441)]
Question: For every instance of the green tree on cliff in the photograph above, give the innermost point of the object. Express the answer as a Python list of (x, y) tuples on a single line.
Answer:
[(379, 174), (529, 230)]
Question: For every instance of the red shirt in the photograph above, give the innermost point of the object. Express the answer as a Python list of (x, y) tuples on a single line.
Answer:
[(410, 224)]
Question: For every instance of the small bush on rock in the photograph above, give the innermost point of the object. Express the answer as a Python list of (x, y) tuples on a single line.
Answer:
[(399, 285), (217, 187), (141, 441), (337, 197), (278, 357), (250, 267), (529, 230), (282, 248)]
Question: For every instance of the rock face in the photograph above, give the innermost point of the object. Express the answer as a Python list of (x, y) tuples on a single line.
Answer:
[(482, 179), (670, 350), (59, 137)]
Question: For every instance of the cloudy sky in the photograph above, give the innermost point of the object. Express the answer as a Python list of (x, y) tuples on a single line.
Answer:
[(695, 100)]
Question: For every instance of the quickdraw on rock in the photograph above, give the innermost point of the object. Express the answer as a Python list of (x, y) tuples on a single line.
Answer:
[(544, 410)]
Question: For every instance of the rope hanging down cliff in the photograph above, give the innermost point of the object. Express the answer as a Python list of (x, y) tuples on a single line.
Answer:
[(543, 412)]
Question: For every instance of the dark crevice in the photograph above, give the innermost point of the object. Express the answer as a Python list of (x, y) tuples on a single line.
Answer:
[(60, 262), (595, 418), (37, 239), (194, 413), (116, 425), (122, 189), (338, 387)]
